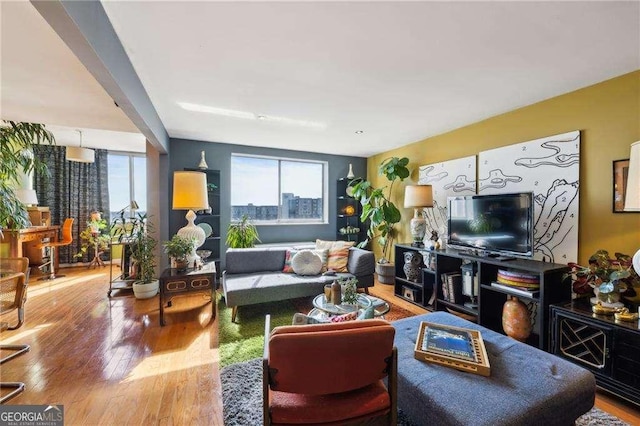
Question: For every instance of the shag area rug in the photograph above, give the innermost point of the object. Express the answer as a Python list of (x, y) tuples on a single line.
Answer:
[(242, 399), (244, 339)]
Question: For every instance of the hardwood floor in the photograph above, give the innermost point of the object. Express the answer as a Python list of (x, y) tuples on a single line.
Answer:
[(109, 362)]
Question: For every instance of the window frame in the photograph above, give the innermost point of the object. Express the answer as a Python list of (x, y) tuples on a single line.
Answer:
[(130, 156), (324, 220)]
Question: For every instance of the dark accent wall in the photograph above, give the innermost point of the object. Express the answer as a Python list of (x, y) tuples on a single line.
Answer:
[(186, 154)]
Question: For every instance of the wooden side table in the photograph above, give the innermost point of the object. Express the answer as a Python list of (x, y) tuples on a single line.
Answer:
[(174, 283)]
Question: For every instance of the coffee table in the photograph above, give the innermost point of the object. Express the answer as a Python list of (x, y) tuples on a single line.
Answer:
[(324, 309)]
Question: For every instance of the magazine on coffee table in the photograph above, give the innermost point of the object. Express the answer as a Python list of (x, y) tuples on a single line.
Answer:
[(455, 347)]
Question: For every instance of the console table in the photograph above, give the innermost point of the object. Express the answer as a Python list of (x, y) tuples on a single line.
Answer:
[(608, 348), (22, 243), (175, 283)]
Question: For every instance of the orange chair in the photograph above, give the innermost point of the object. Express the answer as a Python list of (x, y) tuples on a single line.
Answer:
[(67, 238), (14, 279), (330, 374)]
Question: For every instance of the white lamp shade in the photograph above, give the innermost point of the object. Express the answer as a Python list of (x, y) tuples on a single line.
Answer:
[(418, 196), (190, 191), (80, 155), (27, 196), (632, 196)]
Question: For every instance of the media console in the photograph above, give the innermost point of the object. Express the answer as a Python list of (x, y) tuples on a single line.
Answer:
[(438, 265)]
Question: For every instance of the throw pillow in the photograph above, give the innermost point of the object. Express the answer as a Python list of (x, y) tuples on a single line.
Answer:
[(338, 253), (306, 262), (287, 261)]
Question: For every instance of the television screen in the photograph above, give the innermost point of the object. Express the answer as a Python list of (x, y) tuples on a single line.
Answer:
[(500, 224)]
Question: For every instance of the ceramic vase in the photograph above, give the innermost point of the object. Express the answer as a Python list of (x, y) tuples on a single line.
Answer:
[(516, 322), (203, 163)]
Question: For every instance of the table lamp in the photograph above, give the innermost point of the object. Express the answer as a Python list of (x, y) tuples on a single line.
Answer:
[(27, 197), (418, 197), (632, 195), (190, 193)]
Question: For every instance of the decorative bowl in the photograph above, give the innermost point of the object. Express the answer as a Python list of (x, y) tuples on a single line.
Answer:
[(203, 254)]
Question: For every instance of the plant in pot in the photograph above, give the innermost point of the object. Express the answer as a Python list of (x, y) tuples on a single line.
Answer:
[(93, 236), (16, 158), (242, 234), (380, 212), (143, 254), (178, 249)]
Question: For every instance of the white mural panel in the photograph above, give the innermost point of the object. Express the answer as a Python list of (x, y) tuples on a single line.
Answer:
[(548, 167), (448, 178)]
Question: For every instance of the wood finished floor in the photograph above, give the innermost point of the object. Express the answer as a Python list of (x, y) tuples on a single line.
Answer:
[(109, 362)]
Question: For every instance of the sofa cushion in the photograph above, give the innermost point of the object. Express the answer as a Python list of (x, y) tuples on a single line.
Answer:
[(338, 253), (288, 269), (306, 262), (248, 260)]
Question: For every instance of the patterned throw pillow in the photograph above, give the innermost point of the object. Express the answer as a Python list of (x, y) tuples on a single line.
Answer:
[(306, 262), (338, 253), (287, 261)]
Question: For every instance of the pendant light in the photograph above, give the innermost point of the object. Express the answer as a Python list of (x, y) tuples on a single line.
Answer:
[(80, 154)]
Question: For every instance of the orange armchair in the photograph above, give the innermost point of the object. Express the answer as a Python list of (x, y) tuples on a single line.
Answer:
[(330, 374)]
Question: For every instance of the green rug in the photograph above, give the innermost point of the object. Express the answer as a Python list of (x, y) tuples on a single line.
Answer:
[(244, 339)]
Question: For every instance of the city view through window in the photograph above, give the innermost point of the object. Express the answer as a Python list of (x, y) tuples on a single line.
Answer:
[(277, 190), (127, 182)]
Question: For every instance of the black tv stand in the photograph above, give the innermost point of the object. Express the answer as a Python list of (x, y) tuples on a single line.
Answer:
[(500, 257)]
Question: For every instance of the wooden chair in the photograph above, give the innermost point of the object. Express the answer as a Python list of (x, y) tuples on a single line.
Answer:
[(330, 374), (14, 279), (67, 238)]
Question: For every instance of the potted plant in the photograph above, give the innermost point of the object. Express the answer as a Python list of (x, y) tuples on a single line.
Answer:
[(379, 210), (242, 234), (16, 157), (607, 278), (93, 236), (142, 250), (178, 248)]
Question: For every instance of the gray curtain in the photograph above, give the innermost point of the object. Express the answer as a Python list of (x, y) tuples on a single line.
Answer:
[(73, 190)]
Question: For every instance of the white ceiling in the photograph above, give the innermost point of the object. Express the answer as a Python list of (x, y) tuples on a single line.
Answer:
[(400, 72)]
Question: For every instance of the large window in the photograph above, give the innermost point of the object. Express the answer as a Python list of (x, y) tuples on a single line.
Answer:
[(127, 182), (278, 190)]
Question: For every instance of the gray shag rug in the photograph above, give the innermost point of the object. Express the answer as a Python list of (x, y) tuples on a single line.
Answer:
[(242, 399)]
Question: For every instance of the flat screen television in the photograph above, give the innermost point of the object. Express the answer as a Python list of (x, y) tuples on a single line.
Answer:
[(500, 224)]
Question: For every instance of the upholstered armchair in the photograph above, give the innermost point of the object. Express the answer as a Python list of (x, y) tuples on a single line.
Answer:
[(330, 374), (14, 278)]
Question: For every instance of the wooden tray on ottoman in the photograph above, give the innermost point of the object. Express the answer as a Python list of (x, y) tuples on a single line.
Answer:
[(455, 347)]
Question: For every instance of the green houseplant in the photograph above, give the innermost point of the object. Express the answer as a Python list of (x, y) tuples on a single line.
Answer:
[(377, 207), (242, 234), (93, 236), (178, 248), (16, 157), (143, 254)]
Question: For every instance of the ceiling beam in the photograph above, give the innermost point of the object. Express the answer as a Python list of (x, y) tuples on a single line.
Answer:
[(86, 29)]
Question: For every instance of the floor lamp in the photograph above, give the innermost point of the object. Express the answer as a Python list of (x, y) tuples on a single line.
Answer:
[(190, 193)]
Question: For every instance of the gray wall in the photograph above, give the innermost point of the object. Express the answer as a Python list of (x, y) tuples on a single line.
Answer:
[(186, 154)]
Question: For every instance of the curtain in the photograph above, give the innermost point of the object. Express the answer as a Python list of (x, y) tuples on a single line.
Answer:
[(73, 190)]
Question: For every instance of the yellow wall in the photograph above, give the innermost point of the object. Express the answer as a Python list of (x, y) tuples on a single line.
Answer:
[(608, 117)]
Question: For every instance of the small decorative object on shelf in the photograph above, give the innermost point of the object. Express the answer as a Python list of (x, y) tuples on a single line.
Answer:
[(350, 175), (515, 319), (412, 265), (203, 163)]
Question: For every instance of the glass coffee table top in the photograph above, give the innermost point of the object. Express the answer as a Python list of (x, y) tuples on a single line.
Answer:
[(324, 308)]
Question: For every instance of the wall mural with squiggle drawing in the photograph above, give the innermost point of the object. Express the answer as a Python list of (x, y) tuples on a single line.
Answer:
[(448, 179), (549, 167)]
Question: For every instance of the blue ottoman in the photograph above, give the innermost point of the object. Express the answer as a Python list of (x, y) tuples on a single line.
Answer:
[(527, 386)]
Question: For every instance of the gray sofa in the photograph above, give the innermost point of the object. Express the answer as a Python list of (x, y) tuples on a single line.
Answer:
[(254, 275)]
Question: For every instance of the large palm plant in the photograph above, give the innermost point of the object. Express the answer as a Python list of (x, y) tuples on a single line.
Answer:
[(16, 157)]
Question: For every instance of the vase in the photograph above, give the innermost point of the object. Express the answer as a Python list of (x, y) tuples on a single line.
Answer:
[(203, 163), (516, 322), (350, 175)]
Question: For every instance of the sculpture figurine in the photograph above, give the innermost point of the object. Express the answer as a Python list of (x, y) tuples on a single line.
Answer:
[(412, 265)]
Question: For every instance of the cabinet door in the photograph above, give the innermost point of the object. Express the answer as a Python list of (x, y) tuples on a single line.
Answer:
[(584, 342), (626, 358)]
